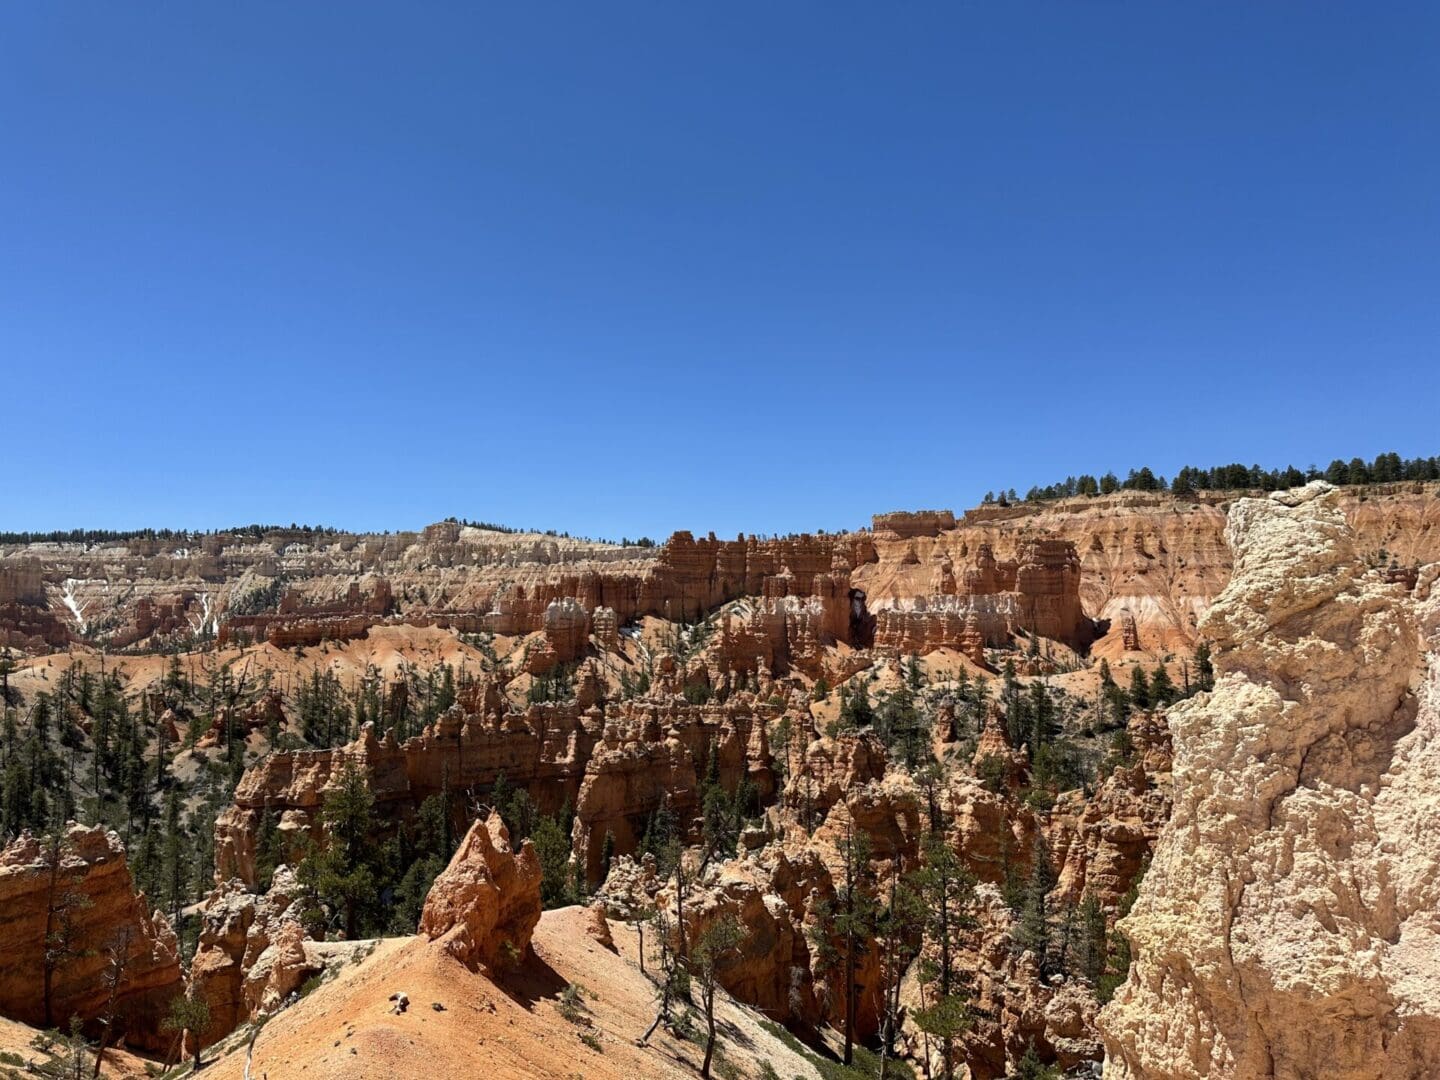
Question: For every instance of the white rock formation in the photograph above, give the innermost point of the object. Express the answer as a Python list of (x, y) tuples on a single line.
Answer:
[(1290, 923)]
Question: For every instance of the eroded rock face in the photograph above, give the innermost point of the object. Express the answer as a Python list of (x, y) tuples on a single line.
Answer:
[(906, 524), (484, 906), (782, 894), (1100, 844), (1154, 555), (1014, 1006), (1037, 592), (771, 970), (238, 930), (823, 769), (1287, 926), (85, 902), (617, 768), (278, 971)]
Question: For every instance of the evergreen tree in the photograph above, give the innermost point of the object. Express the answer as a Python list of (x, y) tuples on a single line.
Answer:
[(947, 895), (855, 709), (715, 948), (1094, 939), (552, 845), (1162, 689), (1117, 966), (607, 854), (914, 675), (1030, 1067), (343, 874), (1204, 668), (1033, 931), (174, 872), (660, 832), (846, 924), (520, 816), (190, 1016), (896, 927), (1043, 726), (1139, 688), (267, 849), (64, 902)]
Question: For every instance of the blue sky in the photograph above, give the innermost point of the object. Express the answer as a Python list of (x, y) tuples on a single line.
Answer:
[(624, 268)]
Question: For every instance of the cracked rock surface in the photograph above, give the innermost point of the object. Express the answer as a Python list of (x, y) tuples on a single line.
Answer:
[(1290, 923)]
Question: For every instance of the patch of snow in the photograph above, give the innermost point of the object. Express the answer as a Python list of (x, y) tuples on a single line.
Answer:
[(207, 617), (68, 599)]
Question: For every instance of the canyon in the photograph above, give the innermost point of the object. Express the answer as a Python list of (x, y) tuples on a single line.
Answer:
[(1177, 747), (1150, 557)]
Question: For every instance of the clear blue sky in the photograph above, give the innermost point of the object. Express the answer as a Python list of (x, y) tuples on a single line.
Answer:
[(622, 268)]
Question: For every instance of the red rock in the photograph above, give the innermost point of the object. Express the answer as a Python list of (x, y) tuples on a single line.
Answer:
[(485, 905), (106, 912)]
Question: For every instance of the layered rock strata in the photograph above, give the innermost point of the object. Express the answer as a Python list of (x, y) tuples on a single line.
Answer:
[(250, 954)]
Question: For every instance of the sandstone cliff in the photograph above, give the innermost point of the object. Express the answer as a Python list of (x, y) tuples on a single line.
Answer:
[(616, 768), (79, 898), (1155, 559), (1144, 565), (1287, 926)]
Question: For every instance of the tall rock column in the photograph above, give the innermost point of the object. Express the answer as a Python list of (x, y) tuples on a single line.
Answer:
[(1287, 927)]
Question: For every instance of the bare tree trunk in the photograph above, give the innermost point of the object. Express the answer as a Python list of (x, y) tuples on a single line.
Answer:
[(250, 1050), (660, 1014), (680, 906), (710, 1027)]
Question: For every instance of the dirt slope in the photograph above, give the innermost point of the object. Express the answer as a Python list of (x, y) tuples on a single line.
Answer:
[(346, 1028)]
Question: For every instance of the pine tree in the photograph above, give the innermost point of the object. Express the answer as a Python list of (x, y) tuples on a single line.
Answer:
[(716, 946), (1030, 1067), (1033, 931), (267, 850), (343, 873), (64, 902), (607, 854), (895, 928), (1117, 967), (1094, 938), (947, 893), (552, 845), (1043, 726), (1204, 668), (846, 924), (1162, 690), (189, 1016), (174, 878), (1139, 688), (659, 833)]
